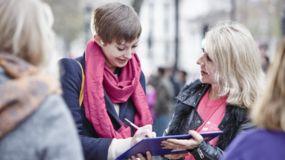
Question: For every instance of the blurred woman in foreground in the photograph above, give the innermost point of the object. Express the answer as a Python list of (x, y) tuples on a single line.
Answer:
[(268, 140), (31, 109)]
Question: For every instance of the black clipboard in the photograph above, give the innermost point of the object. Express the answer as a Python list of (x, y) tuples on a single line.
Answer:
[(154, 145)]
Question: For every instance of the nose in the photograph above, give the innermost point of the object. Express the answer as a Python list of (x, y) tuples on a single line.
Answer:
[(200, 61), (128, 54)]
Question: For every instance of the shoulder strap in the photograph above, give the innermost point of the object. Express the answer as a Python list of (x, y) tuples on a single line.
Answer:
[(82, 84)]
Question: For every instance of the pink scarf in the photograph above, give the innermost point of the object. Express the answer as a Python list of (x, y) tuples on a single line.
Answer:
[(100, 78)]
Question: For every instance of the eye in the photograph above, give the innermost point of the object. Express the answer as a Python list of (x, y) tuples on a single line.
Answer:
[(208, 58), (134, 46), (120, 48)]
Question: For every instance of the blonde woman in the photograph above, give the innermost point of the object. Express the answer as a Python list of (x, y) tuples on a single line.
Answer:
[(268, 140), (230, 79), (31, 110)]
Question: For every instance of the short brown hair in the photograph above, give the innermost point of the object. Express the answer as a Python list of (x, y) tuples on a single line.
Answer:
[(269, 111), (116, 21)]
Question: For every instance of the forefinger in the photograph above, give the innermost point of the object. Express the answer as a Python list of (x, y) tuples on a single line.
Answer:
[(184, 142)]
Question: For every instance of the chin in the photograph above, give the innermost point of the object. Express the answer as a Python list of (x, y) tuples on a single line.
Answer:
[(204, 80), (121, 65)]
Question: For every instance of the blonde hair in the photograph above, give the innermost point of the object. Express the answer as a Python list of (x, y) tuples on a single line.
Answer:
[(25, 28), (269, 110), (116, 22), (235, 53)]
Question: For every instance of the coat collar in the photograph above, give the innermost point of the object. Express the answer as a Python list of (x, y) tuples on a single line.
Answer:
[(192, 94), (111, 109)]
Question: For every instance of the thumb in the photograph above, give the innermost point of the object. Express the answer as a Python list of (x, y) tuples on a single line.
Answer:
[(197, 136)]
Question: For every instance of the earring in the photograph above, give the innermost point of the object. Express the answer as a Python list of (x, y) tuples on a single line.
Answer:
[(102, 43)]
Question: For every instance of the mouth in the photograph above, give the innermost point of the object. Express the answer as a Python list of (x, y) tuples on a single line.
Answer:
[(122, 60), (203, 73)]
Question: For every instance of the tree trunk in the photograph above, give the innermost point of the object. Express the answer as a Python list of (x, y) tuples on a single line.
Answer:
[(137, 5)]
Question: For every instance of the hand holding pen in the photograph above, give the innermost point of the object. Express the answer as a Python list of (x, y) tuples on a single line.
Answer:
[(141, 132)]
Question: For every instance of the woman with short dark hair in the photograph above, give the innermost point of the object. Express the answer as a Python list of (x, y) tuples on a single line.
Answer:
[(106, 85)]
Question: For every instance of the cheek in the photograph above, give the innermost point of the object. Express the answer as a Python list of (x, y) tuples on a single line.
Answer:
[(211, 70), (111, 51), (213, 74), (110, 58), (116, 53)]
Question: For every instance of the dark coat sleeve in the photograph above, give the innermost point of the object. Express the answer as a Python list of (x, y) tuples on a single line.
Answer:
[(71, 77), (215, 153)]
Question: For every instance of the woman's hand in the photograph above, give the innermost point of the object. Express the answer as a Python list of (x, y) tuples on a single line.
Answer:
[(142, 133), (184, 144), (141, 157), (175, 156)]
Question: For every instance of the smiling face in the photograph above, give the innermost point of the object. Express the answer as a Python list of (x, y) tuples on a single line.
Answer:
[(208, 68), (118, 54)]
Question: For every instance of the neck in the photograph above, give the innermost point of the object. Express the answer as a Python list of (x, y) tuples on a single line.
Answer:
[(214, 91)]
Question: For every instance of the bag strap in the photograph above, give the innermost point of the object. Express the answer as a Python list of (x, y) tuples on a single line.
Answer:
[(82, 84)]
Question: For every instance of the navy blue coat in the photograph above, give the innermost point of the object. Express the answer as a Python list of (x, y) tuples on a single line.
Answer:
[(94, 147)]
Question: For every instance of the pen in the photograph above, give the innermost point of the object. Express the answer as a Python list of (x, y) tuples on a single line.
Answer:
[(131, 123)]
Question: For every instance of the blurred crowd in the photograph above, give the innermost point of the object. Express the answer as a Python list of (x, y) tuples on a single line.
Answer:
[(162, 88)]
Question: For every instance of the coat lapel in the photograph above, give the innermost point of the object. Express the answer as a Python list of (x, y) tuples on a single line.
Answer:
[(112, 112)]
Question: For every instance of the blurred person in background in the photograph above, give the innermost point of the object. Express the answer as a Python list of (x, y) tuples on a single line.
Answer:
[(175, 81), (181, 78), (230, 81), (268, 114), (32, 112), (164, 102), (265, 61), (151, 95), (106, 85)]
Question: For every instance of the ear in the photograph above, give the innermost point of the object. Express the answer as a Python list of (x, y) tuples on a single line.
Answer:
[(99, 40)]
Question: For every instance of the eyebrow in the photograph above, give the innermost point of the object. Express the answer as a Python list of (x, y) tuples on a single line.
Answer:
[(124, 44)]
